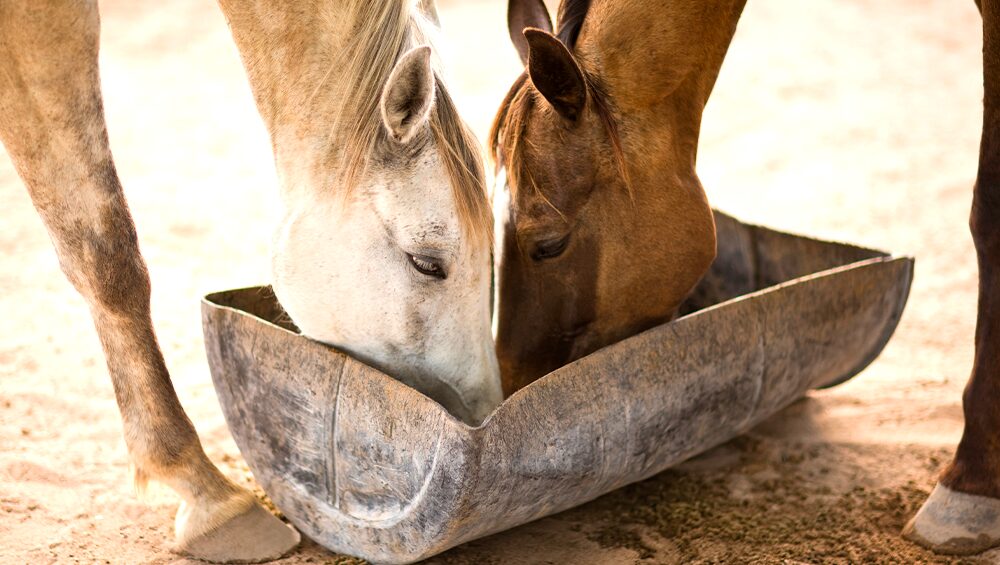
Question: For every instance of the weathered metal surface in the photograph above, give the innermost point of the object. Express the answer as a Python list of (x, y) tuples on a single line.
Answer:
[(367, 466)]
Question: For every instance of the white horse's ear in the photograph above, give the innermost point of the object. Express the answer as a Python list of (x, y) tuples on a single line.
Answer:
[(409, 95), (429, 9)]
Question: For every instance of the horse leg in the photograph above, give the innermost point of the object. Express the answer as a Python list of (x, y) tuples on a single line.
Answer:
[(52, 124), (962, 515)]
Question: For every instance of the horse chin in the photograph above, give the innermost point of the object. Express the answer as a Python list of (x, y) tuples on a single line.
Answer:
[(520, 367)]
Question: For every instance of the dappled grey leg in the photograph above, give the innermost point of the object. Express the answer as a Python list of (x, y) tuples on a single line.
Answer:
[(52, 124)]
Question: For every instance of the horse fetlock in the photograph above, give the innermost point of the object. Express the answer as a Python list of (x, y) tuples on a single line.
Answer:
[(235, 530), (188, 472), (956, 523), (174, 456)]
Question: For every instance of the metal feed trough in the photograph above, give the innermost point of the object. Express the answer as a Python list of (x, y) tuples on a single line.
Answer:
[(367, 466)]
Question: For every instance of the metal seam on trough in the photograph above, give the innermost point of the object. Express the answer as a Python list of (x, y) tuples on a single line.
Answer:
[(331, 464)]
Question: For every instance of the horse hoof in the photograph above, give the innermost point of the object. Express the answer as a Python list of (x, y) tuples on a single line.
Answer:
[(253, 535), (955, 523)]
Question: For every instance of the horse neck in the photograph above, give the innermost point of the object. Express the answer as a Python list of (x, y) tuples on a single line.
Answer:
[(287, 52), (293, 56), (658, 62)]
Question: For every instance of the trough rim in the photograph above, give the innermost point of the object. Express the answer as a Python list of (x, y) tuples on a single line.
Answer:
[(890, 328)]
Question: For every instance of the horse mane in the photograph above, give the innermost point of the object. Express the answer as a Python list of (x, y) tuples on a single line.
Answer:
[(508, 127), (570, 18), (381, 33)]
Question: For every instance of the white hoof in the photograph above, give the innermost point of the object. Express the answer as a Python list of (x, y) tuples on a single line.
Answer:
[(955, 523), (239, 532)]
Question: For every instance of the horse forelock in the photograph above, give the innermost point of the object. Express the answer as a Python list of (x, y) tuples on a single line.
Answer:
[(381, 34), (463, 159)]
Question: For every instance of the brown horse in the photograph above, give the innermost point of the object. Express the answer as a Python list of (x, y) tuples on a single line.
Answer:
[(608, 228), (603, 227)]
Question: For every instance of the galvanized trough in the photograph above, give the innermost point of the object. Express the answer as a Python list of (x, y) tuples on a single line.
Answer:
[(367, 466)]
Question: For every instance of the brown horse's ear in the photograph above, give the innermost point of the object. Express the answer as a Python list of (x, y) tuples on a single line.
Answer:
[(555, 73), (523, 14)]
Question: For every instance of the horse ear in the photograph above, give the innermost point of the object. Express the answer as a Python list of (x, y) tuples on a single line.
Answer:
[(523, 14), (408, 95), (555, 73), (429, 9)]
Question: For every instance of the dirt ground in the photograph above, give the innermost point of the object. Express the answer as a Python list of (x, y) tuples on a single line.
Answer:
[(850, 119)]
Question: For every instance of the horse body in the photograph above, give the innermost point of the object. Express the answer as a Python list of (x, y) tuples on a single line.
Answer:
[(606, 228), (383, 249)]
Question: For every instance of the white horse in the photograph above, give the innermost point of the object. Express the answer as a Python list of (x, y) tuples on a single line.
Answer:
[(383, 249), (384, 245)]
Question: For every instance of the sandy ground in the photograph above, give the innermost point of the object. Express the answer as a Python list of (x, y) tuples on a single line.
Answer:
[(850, 119)]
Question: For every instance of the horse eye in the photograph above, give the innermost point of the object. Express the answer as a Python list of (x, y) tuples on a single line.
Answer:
[(550, 249), (427, 266)]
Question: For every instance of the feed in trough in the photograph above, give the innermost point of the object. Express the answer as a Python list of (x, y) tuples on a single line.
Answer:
[(367, 466)]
